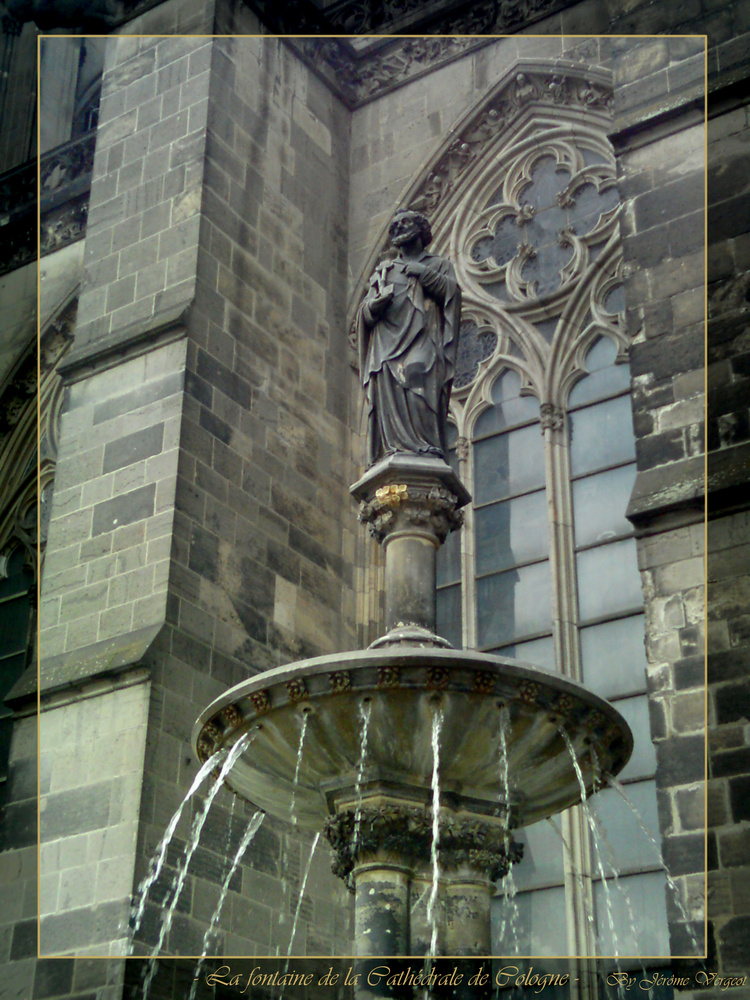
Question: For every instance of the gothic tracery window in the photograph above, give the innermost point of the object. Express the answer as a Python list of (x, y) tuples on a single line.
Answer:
[(545, 569)]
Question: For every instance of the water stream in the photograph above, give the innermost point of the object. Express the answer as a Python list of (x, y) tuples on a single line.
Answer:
[(303, 730), (157, 861), (674, 888), (308, 866), (365, 708), (252, 828), (510, 909), (437, 721), (231, 758), (573, 868), (316, 838), (595, 841)]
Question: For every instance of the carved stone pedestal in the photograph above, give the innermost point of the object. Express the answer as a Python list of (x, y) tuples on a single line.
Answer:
[(384, 852)]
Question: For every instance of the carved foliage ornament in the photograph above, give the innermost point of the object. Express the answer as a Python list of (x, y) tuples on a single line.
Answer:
[(360, 17), (407, 832), (433, 509), (29, 415), (65, 177)]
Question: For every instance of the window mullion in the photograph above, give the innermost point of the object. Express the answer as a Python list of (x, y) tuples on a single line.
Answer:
[(564, 601), (579, 898), (465, 454)]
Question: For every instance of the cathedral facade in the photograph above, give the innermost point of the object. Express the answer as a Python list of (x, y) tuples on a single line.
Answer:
[(214, 196)]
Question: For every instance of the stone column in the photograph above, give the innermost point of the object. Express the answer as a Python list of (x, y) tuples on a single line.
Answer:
[(410, 502), (381, 920), (383, 849), (467, 895)]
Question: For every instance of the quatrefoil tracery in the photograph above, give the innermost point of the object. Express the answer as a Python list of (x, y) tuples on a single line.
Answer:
[(533, 238)]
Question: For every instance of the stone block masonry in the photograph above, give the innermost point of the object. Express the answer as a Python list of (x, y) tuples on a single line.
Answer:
[(144, 216), (106, 570), (205, 459), (262, 494), (92, 763), (258, 576), (661, 176), (728, 582)]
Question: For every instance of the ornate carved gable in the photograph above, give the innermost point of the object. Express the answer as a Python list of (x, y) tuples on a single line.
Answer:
[(522, 197)]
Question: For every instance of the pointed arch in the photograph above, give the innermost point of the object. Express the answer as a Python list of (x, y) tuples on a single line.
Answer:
[(528, 89), (32, 400)]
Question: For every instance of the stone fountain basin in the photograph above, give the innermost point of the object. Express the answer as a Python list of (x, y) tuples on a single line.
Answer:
[(404, 688)]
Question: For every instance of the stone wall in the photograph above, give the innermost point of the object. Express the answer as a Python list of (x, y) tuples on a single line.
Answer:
[(205, 458), (660, 141), (260, 574), (728, 434), (673, 611), (91, 770)]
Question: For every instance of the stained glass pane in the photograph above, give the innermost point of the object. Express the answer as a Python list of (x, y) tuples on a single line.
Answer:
[(636, 909), (537, 652), (605, 377), (601, 435), (449, 559), (601, 354), (508, 463), (614, 657), (631, 847), (544, 268), (590, 204), (546, 181), (614, 301), (599, 504), (608, 580), (513, 604), (542, 862), (474, 346), (514, 531), (539, 928), (502, 246), (643, 762), (543, 228), (449, 614), (512, 408)]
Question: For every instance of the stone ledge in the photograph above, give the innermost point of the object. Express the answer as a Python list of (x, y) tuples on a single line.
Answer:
[(727, 479), (101, 659), (138, 338), (667, 488), (647, 125)]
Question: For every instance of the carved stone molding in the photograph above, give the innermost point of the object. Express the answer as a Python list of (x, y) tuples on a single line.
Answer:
[(570, 87), (65, 179), (26, 441), (404, 834), (414, 17), (359, 79), (551, 417)]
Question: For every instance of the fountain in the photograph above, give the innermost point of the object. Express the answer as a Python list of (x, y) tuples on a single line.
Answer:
[(416, 760)]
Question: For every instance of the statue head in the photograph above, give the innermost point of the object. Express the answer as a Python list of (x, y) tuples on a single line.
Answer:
[(407, 223)]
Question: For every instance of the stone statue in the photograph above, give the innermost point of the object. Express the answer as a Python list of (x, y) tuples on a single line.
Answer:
[(407, 333)]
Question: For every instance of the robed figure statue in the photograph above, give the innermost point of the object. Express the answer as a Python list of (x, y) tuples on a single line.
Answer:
[(407, 332)]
